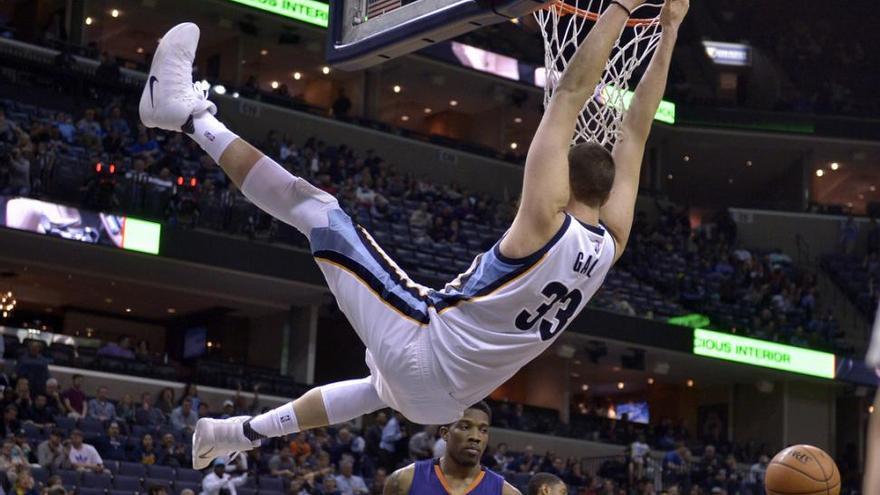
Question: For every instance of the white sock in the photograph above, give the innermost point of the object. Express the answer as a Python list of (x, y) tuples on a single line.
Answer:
[(277, 422), (211, 135)]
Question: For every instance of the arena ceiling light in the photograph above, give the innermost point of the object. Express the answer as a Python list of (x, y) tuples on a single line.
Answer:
[(7, 303), (834, 166), (396, 88), (820, 173), (220, 89)]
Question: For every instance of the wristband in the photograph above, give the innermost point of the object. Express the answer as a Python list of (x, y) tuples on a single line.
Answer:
[(628, 12)]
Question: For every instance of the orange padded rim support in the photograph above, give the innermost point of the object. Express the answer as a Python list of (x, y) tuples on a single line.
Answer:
[(564, 8)]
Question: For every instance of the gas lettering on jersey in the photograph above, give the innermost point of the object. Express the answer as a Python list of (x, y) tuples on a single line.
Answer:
[(584, 264)]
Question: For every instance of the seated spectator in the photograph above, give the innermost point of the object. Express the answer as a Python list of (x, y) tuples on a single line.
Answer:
[(54, 403), (349, 483), (527, 462), (347, 443), (421, 445), (10, 422), (282, 464), (228, 409), (25, 484), (90, 130), (33, 365), (329, 486), (117, 123), (421, 219), (54, 486), (218, 482), (51, 453), (165, 401), (146, 452), (11, 457), (75, 399), (377, 487), (64, 124), (39, 413), (22, 443), (191, 392), (22, 394), (119, 349), (158, 490), (19, 181), (125, 410), (173, 454), (112, 446), (183, 418), (204, 410), (299, 447), (147, 149), (84, 457), (100, 408), (146, 414)]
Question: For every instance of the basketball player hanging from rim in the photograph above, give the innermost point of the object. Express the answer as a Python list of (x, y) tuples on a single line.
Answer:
[(431, 353)]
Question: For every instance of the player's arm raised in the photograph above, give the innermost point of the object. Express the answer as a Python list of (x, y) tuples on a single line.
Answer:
[(546, 189), (617, 213), (400, 481)]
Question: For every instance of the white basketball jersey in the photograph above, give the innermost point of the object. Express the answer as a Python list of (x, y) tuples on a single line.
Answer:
[(502, 313)]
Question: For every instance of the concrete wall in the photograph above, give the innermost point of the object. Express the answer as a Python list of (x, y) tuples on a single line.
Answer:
[(810, 415)]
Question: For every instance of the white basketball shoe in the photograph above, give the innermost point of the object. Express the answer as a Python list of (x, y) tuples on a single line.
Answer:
[(222, 438), (170, 98)]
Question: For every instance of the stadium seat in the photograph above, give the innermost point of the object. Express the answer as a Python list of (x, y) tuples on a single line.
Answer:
[(184, 474), (164, 472), (135, 469), (127, 483), (91, 426), (90, 490), (179, 486), (247, 491), (158, 482), (112, 466), (65, 423), (94, 480), (41, 475), (68, 478), (271, 483)]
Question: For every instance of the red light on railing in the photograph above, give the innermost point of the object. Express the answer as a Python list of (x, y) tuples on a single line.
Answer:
[(98, 167), (193, 182), (180, 181), (112, 168)]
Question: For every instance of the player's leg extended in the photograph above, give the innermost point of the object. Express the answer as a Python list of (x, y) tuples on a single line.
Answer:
[(322, 406)]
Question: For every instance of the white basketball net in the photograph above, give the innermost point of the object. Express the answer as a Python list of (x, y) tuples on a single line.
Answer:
[(600, 120)]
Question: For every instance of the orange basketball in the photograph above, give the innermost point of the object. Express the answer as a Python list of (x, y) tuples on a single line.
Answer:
[(802, 470)]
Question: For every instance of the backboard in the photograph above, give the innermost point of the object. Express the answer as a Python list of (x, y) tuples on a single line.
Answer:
[(363, 33)]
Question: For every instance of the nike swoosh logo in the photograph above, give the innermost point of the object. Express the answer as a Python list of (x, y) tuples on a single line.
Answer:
[(205, 455), (153, 81)]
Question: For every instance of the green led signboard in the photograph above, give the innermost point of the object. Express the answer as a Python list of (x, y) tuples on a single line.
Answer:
[(141, 236), (665, 112), (762, 353), (693, 320), (309, 11)]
